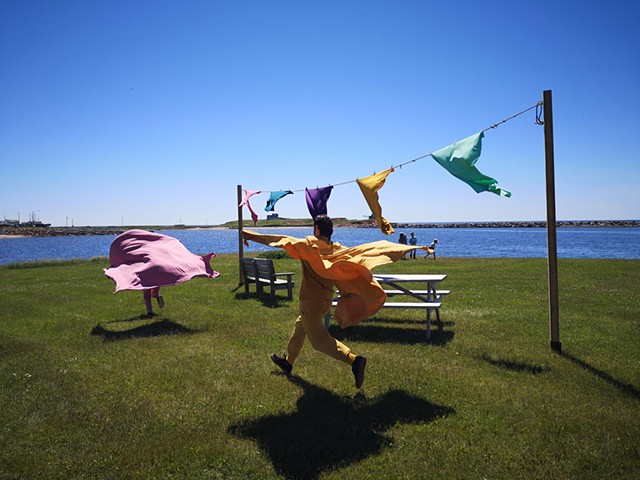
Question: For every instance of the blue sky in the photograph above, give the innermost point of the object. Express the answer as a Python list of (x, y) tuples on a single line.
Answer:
[(152, 112)]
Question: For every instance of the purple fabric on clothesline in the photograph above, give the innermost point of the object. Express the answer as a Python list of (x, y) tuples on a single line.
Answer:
[(317, 199)]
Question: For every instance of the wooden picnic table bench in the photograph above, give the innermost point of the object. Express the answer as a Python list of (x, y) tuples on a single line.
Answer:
[(429, 299)]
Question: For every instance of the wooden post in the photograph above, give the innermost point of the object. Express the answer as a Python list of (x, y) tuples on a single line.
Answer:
[(554, 311), (240, 243)]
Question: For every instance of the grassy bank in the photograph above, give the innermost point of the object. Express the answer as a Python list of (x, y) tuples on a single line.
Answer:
[(91, 390)]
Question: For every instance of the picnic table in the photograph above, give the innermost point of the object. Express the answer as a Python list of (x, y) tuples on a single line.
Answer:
[(426, 297)]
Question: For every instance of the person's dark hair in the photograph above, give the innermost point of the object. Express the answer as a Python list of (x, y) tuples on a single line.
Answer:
[(324, 224)]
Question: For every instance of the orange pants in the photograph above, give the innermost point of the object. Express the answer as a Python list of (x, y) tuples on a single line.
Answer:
[(310, 324)]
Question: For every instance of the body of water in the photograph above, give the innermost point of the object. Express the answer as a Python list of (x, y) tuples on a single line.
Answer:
[(601, 242)]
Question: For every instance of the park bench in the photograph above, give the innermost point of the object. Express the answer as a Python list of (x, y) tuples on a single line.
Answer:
[(248, 273), (262, 273)]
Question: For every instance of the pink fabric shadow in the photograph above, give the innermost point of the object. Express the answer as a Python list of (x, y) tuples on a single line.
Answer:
[(141, 260)]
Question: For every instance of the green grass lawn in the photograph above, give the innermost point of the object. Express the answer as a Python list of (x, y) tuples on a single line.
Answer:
[(90, 390)]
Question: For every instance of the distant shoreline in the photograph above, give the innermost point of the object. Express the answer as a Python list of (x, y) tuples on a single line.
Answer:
[(17, 232)]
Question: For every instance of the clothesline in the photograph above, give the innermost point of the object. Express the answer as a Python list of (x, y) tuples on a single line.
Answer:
[(459, 159), (495, 125)]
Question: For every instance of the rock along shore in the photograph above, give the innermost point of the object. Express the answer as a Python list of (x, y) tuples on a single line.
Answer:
[(70, 231), (532, 224)]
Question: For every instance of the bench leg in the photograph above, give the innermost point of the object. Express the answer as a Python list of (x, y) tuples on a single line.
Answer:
[(428, 324)]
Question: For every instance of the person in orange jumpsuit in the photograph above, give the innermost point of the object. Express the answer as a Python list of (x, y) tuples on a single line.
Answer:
[(325, 265)]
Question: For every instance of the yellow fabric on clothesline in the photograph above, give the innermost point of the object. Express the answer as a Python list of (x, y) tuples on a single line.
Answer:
[(369, 187)]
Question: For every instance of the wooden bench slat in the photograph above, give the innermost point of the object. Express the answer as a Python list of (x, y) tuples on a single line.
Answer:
[(412, 305), (422, 305), (419, 292)]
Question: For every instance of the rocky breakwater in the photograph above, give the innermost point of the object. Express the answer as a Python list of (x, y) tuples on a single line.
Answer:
[(59, 231), (515, 224)]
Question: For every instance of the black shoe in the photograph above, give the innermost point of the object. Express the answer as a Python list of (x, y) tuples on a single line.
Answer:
[(358, 370), (282, 363)]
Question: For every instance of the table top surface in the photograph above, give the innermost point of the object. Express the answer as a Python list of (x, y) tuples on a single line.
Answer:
[(409, 277)]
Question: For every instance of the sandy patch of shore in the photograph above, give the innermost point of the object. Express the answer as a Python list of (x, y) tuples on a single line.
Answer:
[(12, 236)]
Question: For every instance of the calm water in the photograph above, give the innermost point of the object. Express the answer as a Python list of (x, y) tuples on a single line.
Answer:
[(453, 242)]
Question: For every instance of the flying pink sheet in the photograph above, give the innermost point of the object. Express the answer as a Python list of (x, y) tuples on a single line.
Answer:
[(140, 260)]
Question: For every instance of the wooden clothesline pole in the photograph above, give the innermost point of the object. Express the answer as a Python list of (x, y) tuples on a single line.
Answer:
[(552, 252), (240, 243)]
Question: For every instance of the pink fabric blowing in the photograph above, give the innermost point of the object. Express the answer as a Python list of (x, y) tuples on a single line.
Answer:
[(245, 201), (140, 260)]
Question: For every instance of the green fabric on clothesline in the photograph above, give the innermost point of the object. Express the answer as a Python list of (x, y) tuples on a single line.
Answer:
[(459, 160)]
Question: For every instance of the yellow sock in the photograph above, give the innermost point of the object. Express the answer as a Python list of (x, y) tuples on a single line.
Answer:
[(350, 358)]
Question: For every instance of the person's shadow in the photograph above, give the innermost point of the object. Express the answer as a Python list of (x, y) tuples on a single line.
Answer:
[(153, 329), (328, 431)]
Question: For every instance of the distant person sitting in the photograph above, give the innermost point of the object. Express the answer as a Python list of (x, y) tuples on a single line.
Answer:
[(432, 249), (412, 241)]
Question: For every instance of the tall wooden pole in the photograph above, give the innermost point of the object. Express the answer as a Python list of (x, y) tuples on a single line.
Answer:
[(240, 243), (554, 310)]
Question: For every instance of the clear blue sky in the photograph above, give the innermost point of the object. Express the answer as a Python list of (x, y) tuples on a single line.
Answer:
[(152, 112)]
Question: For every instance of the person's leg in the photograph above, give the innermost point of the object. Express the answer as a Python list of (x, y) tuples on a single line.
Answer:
[(313, 313), (310, 324), (296, 341), (312, 319), (147, 301), (155, 293)]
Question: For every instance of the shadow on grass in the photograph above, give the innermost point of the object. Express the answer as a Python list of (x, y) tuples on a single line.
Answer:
[(162, 327), (404, 321), (386, 334), (265, 299), (328, 431), (515, 366), (626, 388)]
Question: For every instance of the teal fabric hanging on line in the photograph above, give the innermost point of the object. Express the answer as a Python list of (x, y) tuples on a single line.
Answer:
[(274, 197), (459, 160)]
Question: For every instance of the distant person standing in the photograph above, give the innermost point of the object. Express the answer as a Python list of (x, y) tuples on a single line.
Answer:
[(403, 240), (413, 241), (432, 249)]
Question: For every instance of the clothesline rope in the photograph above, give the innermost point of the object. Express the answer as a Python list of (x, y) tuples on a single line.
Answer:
[(495, 125)]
